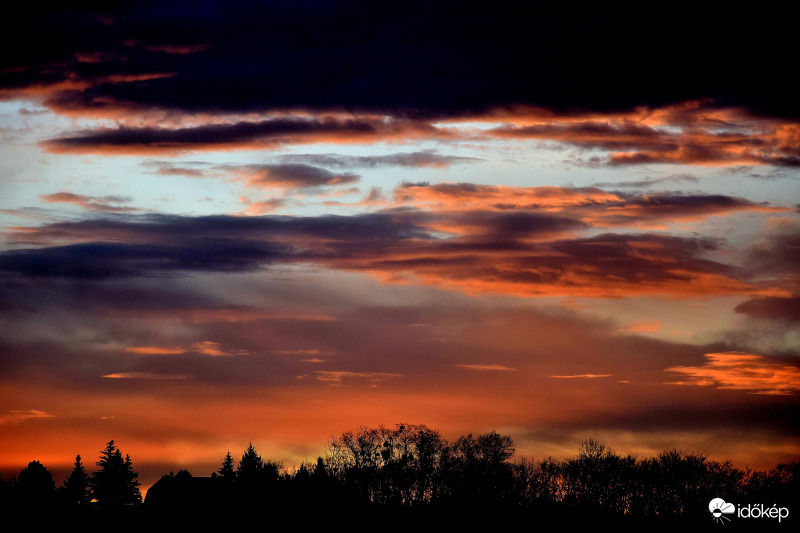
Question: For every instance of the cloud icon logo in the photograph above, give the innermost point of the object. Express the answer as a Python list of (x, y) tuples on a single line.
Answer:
[(718, 508)]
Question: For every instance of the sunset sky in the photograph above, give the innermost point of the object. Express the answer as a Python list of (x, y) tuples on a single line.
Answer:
[(226, 223)]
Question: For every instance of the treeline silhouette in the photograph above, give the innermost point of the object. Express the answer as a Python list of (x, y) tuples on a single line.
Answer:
[(112, 487), (410, 472)]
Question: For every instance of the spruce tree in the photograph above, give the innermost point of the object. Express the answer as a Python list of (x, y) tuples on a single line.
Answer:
[(251, 462), (250, 471), (115, 485), (132, 494), (76, 486), (226, 470)]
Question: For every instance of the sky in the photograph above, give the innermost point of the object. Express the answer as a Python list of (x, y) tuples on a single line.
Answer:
[(235, 222)]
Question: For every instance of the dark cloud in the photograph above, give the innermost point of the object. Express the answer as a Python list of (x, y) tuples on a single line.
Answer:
[(155, 244), (506, 226), (484, 251), (291, 176), (682, 134), (590, 205), (658, 209), (101, 260), (646, 183), (154, 228), (691, 203), (419, 57), (409, 159), (776, 254), (781, 309), (596, 135), (635, 258), (268, 133)]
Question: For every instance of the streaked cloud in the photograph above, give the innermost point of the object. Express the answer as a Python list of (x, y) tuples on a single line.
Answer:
[(649, 182), (155, 350), (582, 376), (305, 352), (742, 371), (498, 252), (642, 327), (291, 176), (691, 133), (18, 416), (344, 377), (781, 309), (146, 375), (469, 195), (429, 159), (217, 314), (267, 134), (213, 349), (487, 368), (108, 204)]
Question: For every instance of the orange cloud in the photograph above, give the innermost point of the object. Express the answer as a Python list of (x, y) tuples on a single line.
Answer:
[(589, 205), (305, 352), (155, 350), (262, 207), (17, 416), (469, 196), (146, 375), (341, 377), (93, 203), (488, 251), (642, 327), (487, 368), (582, 376), (213, 349), (548, 269), (695, 133), (67, 96), (742, 371), (655, 211)]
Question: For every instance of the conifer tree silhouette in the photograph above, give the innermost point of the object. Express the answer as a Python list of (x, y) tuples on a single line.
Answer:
[(76, 486), (251, 465), (226, 471), (115, 484)]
